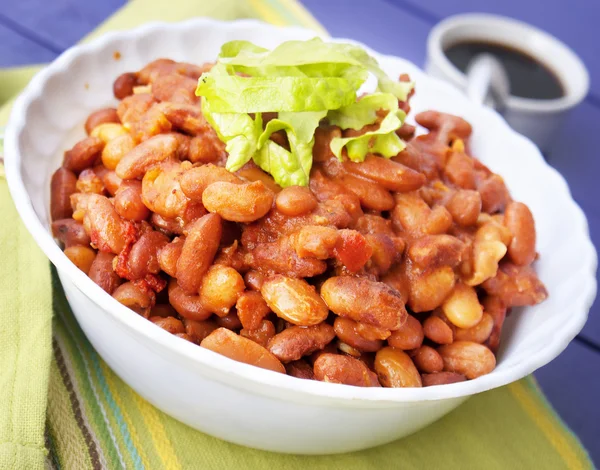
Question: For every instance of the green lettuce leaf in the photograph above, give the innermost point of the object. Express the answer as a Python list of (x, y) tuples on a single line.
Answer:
[(292, 167), (383, 141), (313, 58), (302, 81), (235, 94), (238, 131), (362, 112), (384, 83)]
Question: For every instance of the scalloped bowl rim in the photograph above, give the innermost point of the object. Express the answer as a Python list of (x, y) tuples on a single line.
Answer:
[(253, 376)]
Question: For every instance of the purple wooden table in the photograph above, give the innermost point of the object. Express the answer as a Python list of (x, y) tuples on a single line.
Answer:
[(35, 31)]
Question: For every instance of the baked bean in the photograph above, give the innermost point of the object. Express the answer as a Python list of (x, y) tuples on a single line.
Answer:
[(488, 248), (462, 306), (347, 331), (469, 359), (161, 191), (150, 124), (167, 225), (102, 273), (220, 289), (460, 170), (429, 288), (70, 232), (494, 194), (238, 202), (300, 369), (238, 348), (371, 195), (124, 84), (435, 329), (198, 251), (111, 181), (197, 179), (115, 149), (415, 158), (128, 201), (141, 158), (297, 341), (396, 369), (62, 186), (188, 306), (408, 336), (516, 286), (89, 182), (371, 332), (107, 231), (478, 333), (108, 131), (315, 241), (365, 301), (427, 360), (132, 296), (184, 116), (163, 310), (81, 256), (184, 336), (396, 278), (198, 330), (83, 154), (143, 256), (100, 117), (132, 109), (464, 207), (251, 173), (413, 215), (383, 252), (251, 309), (254, 279), (433, 251), (169, 254), (230, 321), (295, 200), (326, 190), (206, 149), (454, 126), (262, 334), (347, 349), (519, 220), (391, 175), (170, 324), (442, 378), (370, 224), (340, 369), (294, 300), (496, 309), (174, 88)]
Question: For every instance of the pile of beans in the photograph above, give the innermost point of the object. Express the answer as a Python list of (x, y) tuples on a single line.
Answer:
[(392, 272)]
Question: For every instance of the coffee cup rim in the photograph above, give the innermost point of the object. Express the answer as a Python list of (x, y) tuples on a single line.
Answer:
[(541, 45)]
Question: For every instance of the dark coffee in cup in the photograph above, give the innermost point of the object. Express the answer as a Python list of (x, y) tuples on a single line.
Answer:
[(528, 77)]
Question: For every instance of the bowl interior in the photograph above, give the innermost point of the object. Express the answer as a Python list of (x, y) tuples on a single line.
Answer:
[(48, 119)]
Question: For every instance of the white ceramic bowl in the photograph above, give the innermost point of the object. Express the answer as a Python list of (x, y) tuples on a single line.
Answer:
[(248, 405)]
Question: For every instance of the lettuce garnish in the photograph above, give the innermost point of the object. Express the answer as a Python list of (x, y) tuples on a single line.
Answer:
[(363, 112), (303, 82)]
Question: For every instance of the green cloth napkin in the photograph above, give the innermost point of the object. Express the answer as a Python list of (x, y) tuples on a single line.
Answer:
[(62, 407)]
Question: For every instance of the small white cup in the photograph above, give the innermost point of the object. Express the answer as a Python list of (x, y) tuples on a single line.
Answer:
[(537, 119)]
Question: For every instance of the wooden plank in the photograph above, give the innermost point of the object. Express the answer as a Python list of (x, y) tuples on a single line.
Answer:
[(58, 24), (17, 50)]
